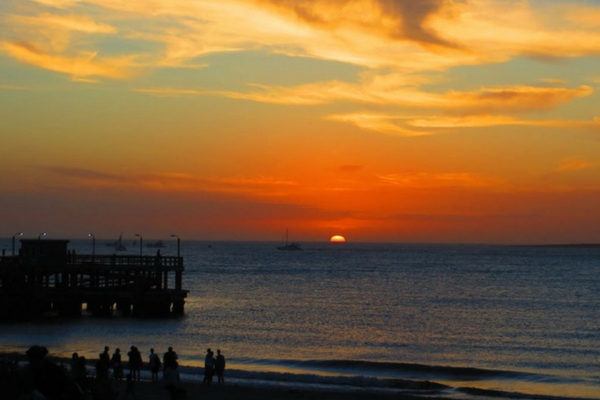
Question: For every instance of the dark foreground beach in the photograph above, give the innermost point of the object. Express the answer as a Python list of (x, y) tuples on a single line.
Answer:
[(154, 391), (14, 381)]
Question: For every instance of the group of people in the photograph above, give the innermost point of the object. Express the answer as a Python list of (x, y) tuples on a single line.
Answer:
[(169, 363), (214, 366), (106, 362), (42, 378)]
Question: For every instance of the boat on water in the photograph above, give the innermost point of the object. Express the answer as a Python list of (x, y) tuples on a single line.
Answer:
[(156, 245), (289, 245), (118, 244)]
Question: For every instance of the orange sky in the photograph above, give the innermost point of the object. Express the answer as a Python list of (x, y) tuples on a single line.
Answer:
[(381, 120)]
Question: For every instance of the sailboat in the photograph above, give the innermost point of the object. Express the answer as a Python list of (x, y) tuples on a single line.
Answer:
[(289, 246), (118, 245)]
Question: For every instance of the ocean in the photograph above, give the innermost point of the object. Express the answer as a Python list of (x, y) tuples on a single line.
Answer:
[(449, 321)]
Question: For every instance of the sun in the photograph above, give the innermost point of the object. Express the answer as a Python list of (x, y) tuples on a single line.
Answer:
[(337, 239)]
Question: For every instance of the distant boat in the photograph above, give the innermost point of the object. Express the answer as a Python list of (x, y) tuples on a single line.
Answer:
[(118, 245), (156, 245), (289, 246)]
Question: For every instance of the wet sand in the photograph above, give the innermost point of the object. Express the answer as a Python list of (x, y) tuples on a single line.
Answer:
[(147, 390)]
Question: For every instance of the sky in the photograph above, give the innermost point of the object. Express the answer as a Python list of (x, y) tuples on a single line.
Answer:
[(438, 121)]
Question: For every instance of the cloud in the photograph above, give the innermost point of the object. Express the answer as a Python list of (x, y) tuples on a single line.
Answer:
[(554, 81), (487, 106), (48, 22), (396, 19), (518, 97), (378, 123), (58, 3), (81, 66), (574, 164), (260, 186), (404, 125), (394, 41), (12, 87), (173, 92), (86, 174), (398, 90), (428, 180), (467, 217), (350, 168), (401, 35)]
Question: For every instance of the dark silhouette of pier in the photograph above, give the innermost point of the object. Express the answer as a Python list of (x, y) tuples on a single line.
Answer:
[(45, 278)]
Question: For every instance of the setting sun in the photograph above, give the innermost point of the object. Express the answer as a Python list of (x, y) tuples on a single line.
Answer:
[(337, 239)]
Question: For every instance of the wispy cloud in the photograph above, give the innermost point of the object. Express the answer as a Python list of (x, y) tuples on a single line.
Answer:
[(378, 123), (403, 35), (12, 87), (261, 186), (350, 168), (400, 90), (420, 126), (82, 66), (397, 19), (86, 174), (50, 22), (422, 180), (574, 164)]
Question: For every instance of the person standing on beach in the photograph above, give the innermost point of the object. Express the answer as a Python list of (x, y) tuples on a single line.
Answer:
[(220, 367), (135, 363), (117, 364), (170, 358), (80, 374), (103, 364), (209, 367), (73, 362), (43, 376), (154, 365)]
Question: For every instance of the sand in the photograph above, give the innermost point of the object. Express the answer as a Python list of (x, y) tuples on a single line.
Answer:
[(154, 391), (146, 390)]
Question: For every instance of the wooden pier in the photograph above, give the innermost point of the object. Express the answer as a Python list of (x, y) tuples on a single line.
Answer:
[(46, 278)]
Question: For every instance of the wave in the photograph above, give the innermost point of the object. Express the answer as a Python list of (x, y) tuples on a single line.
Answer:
[(417, 380)]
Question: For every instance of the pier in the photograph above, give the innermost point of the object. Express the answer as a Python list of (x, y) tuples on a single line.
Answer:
[(46, 278)]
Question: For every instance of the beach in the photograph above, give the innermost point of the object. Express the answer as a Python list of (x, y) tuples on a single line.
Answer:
[(154, 391), (144, 389)]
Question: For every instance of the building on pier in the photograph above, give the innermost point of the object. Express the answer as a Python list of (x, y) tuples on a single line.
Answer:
[(46, 278)]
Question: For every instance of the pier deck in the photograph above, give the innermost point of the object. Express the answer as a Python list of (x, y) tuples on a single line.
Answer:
[(46, 278)]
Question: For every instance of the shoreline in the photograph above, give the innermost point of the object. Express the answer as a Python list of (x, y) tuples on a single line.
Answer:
[(145, 389)]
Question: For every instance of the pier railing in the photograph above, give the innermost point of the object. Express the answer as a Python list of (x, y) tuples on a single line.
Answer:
[(143, 262)]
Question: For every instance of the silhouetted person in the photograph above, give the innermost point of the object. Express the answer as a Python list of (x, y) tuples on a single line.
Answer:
[(79, 374), (43, 376), (116, 363), (209, 367), (154, 361), (158, 260), (103, 364), (170, 358), (135, 363), (220, 367), (73, 362)]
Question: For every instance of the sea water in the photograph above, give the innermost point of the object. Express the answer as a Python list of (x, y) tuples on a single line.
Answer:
[(467, 321)]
